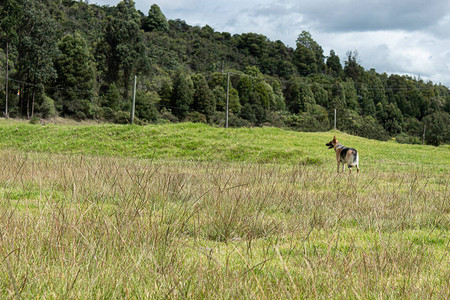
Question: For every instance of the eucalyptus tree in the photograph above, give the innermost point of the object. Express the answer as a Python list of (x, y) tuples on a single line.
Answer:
[(75, 72), (36, 48), (10, 11), (126, 55)]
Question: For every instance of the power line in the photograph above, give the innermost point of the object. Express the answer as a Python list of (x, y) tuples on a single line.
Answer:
[(48, 87)]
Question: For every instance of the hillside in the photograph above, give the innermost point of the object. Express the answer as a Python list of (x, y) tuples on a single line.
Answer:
[(85, 66), (203, 143)]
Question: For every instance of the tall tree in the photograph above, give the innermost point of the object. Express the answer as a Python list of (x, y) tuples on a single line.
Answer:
[(334, 64), (10, 12), (36, 49), (367, 104), (308, 56), (203, 98), (156, 21), (182, 94), (350, 95), (352, 67), (127, 51), (301, 97), (75, 76)]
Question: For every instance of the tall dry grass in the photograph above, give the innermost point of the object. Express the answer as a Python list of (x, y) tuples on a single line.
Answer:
[(89, 227)]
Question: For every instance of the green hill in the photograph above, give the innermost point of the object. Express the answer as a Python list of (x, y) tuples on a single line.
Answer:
[(199, 142)]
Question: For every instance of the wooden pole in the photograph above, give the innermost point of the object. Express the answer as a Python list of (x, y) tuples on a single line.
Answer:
[(334, 119), (424, 129), (134, 101), (6, 83), (228, 93)]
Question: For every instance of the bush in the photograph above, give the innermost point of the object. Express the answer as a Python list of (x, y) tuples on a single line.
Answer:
[(167, 114), (48, 109), (219, 118), (437, 128), (34, 120), (108, 114), (367, 126), (404, 138), (305, 121), (145, 108), (196, 117), (122, 117)]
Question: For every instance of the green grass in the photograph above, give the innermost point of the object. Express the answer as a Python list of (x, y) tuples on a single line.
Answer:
[(198, 142), (191, 211)]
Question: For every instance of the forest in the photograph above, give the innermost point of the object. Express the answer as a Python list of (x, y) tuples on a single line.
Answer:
[(79, 60)]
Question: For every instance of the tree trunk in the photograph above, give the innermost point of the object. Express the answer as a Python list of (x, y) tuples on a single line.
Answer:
[(32, 101), (28, 105), (22, 92)]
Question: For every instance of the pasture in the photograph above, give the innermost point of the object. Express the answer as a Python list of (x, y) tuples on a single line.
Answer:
[(191, 211)]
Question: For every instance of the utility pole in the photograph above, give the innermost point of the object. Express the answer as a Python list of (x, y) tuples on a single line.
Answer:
[(228, 93), (424, 129), (6, 82), (134, 101), (335, 119)]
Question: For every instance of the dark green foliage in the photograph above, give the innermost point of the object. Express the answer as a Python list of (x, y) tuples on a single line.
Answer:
[(36, 47), (145, 108), (279, 101), (352, 67), (196, 117), (127, 51), (182, 94), (334, 64), (338, 97), (437, 128), (75, 76), (320, 94), (219, 97), (308, 57), (301, 97), (111, 98), (393, 119), (204, 101), (314, 120), (48, 109), (253, 113), (182, 74), (367, 104), (351, 96), (155, 20), (233, 101), (365, 126)]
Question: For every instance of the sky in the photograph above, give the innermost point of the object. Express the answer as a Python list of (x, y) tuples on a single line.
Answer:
[(406, 37)]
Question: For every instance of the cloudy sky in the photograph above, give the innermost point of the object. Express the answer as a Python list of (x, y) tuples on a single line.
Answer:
[(394, 36)]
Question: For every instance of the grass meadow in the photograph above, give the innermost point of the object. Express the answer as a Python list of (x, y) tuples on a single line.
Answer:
[(192, 211)]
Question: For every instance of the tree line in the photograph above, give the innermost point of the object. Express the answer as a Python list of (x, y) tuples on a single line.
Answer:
[(78, 60)]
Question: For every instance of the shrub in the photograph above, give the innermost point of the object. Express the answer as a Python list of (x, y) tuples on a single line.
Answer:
[(437, 128), (167, 114), (48, 109), (122, 117), (306, 121), (34, 120), (196, 117), (145, 106)]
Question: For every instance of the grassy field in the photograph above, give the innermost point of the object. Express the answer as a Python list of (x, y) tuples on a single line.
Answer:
[(191, 211)]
